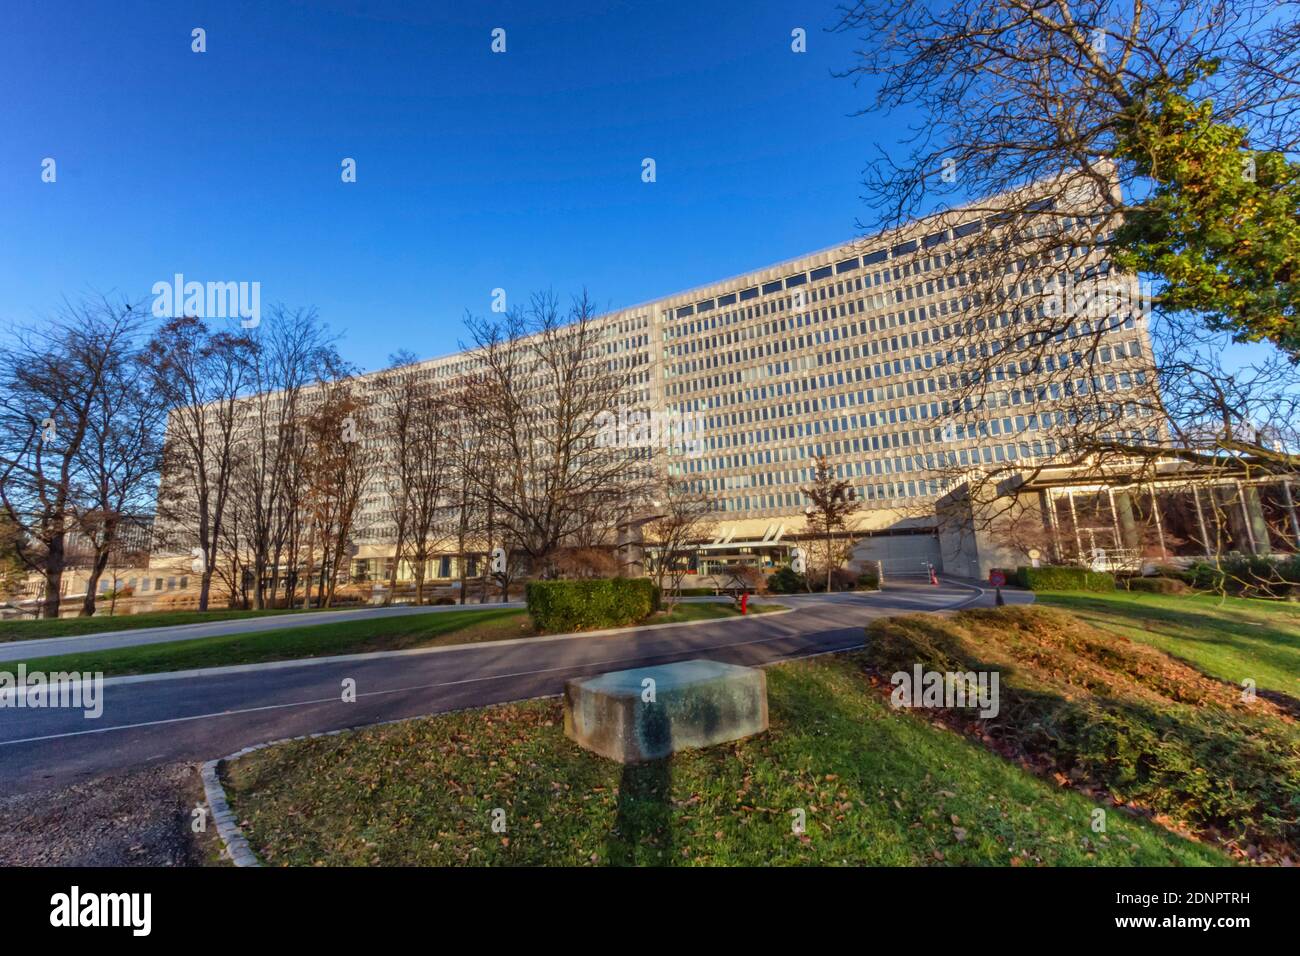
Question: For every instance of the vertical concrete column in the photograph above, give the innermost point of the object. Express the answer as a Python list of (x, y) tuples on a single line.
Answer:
[(1291, 512), (1122, 502), (1254, 511), (1200, 521), (631, 550), (1160, 525), (1058, 553), (1232, 509)]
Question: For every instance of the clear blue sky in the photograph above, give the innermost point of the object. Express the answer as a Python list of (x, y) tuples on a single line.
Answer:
[(475, 170)]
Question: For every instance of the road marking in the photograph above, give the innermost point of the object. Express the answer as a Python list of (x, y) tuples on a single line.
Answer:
[(379, 693), (471, 680), (369, 655)]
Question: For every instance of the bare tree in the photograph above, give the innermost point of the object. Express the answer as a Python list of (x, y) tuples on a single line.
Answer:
[(337, 470), (427, 489), (832, 502), (547, 391), (202, 376), (684, 518), (53, 382), (1028, 156), (291, 352), (121, 455), (400, 392)]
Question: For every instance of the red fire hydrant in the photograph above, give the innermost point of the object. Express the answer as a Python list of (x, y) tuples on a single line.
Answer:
[(744, 602), (934, 578)]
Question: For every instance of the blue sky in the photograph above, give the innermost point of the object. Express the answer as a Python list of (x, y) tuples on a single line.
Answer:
[(475, 170)]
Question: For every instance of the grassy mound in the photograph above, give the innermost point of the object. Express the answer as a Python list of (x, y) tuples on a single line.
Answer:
[(839, 779), (1105, 712)]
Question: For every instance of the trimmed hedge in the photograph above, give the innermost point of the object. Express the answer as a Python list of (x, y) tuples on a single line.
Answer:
[(1060, 578), (561, 606)]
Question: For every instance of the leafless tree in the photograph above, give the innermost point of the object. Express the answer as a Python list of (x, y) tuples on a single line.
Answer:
[(121, 455), (427, 487), (338, 463), (53, 385), (399, 393), (832, 504), (291, 353), (685, 517), (202, 375), (1038, 351), (547, 390)]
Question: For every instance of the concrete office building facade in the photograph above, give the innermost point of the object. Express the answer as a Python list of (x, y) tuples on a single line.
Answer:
[(848, 352)]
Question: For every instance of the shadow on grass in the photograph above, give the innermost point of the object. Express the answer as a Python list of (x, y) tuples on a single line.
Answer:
[(1271, 645), (643, 823)]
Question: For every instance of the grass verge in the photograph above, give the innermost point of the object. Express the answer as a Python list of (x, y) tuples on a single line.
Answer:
[(439, 629), (1230, 638), (74, 626), (874, 786)]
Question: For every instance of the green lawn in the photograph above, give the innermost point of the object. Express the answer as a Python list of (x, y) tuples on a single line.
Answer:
[(322, 640), (709, 611), (1229, 638), (874, 786), (469, 626), (72, 626)]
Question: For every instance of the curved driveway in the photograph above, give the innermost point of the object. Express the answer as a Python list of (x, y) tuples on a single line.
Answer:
[(163, 718)]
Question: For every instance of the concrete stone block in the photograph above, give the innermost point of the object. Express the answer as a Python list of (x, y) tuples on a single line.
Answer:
[(647, 713)]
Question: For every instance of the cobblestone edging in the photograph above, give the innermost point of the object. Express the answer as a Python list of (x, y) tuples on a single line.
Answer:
[(236, 846), (235, 843)]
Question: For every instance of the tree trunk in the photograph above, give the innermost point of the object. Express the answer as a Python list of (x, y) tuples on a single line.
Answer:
[(205, 586), (96, 571)]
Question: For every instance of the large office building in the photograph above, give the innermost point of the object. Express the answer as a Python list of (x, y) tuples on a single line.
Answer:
[(850, 352), (859, 352)]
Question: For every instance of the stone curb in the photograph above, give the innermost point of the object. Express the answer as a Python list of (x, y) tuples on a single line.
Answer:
[(235, 843)]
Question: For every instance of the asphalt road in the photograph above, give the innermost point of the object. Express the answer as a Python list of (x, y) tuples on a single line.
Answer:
[(157, 719)]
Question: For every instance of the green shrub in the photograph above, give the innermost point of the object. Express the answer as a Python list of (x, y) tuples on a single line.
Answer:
[(786, 581), (697, 592), (1247, 575), (868, 581), (1062, 578), (1157, 585), (591, 604), (1172, 571), (1114, 715)]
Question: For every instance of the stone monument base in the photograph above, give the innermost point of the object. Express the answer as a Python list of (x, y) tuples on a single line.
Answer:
[(647, 713)]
